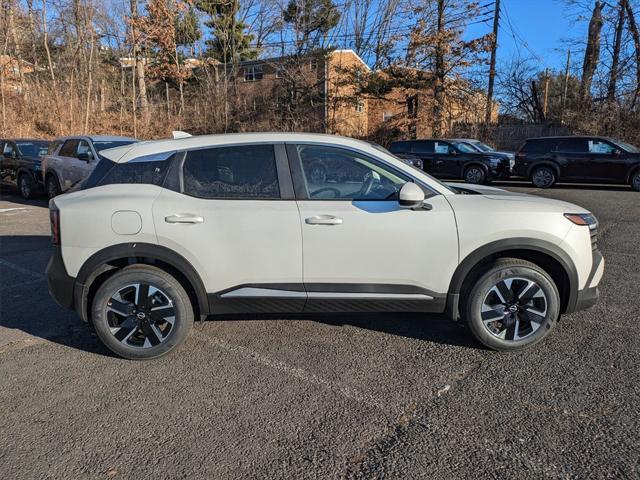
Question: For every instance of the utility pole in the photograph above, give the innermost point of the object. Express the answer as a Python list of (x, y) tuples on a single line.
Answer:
[(566, 85), (492, 66), (546, 93)]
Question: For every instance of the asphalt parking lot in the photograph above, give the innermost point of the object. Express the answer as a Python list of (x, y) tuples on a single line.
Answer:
[(358, 396)]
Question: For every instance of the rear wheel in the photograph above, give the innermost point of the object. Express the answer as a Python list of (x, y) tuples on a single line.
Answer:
[(543, 177), (475, 174), (142, 312), (26, 185), (52, 186), (513, 305), (635, 181)]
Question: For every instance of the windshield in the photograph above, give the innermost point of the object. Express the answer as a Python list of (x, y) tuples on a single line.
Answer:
[(483, 147), (33, 149), (464, 147), (384, 150), (99, 146), (626, 146)]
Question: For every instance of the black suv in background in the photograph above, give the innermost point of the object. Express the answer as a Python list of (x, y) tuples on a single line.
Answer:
[(21, 164), (455, 159), (547, 160)]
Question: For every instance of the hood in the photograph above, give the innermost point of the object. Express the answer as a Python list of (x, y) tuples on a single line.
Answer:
[(499, 194)]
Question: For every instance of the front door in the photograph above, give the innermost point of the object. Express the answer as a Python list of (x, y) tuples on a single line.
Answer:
[(362, 250), (235, 219)]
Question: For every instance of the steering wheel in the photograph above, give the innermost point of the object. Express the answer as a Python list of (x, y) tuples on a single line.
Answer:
[(370, 178), (335, 191)]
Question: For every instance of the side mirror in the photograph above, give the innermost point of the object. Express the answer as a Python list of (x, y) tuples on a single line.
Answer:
[(617, 153), (85, 156), (411, 196), (453, 152)]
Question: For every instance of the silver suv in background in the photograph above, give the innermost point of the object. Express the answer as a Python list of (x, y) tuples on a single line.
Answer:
[(71, 159)]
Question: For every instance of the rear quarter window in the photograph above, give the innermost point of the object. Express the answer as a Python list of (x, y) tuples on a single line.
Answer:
[(400, 147), (144, 170), (539, 146)]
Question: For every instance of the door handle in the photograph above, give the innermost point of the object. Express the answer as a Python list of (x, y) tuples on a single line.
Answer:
[(323, 220), (183, 218)]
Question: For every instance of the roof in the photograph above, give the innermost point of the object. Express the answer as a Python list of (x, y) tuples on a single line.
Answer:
[(151, 147), (97, 138), (24, 140)]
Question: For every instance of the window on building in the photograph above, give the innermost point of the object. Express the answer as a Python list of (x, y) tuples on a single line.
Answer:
[(253, 73), (359, 106), (386, 116)]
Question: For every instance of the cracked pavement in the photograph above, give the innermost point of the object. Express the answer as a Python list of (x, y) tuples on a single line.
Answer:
[(340, 396)]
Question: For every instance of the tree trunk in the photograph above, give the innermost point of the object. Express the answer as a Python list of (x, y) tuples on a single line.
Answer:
[(438, 89), (139, 66), (633, 28), (492, 64), (615, 59), (592, 52)]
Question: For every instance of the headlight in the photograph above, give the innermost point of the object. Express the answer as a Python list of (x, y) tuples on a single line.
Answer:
[(494, 161), (584, 219)]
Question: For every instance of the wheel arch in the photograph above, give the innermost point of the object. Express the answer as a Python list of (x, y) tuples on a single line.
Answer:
[(27, 171), (106, 262), (474, 163), (632, 170), (544, 254)]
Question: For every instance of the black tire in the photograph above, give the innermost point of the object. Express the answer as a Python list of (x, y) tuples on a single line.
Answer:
[(138, 333), (635, 181), (52, 187), (475, 174), (520, 331), (27, 186), (543, 177)]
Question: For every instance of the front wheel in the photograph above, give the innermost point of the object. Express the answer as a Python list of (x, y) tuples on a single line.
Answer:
[(142, 312), (52, 187), (635, 181), (513, 305), (27, 186), (475, 175)]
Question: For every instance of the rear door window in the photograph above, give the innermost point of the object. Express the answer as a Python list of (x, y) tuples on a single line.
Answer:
[(600, 146), (573, 145), (69, 149), (539, 146), (239, 172), (423, 147)]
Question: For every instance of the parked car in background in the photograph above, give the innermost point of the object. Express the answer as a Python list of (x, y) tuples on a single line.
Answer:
[(71, 159), (21, 164), (455, 160), (547, 160), (483, 147), (168, 231)]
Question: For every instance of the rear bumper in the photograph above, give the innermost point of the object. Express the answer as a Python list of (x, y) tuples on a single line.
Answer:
[(59, 282)]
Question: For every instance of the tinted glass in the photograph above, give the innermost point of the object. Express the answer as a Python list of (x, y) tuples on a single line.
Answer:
[(465, 147), (7, 149), (539, 146), (422, 147), (400, 147), (247, 171), (110, 173), (627, 146), (83, 147), (99, 146), (335, 173), (573, 145), (69, 148), (53, 147), (33, 149)]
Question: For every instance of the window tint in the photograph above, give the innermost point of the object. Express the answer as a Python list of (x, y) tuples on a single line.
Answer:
[(53, 147), (422, 147), (69, 148), (102, 145), (598, 146), (443, 148), (400, 147), (539, 146), (83, 147), (573, 145), (33, 149), (146, 172), (335, 173), (7, 149), (247, 171)]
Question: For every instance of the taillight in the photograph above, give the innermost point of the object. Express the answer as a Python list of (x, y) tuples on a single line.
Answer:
[(54, 216)]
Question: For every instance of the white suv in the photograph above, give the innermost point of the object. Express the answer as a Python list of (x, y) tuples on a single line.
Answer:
[(167, 231)]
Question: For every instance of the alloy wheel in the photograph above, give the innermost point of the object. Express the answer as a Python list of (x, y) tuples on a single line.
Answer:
[(140, 315), (25, 188), (542, 177), (514, 308), (636, 182), (474, 175)]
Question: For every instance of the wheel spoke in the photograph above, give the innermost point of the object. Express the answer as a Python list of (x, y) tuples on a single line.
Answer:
[(152, 338), (528, 292), (142, 295), (504, 292), (127, 328), (510, 331), (492, 315), (164, 314), (533, 316), (121, 308)]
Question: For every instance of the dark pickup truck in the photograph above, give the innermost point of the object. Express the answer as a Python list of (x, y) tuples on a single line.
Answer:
[(21, 164)]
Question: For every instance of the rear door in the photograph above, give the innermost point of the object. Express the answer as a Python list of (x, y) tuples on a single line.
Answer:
[(607, 162), (574, 160), (235, 219), (424, 149)]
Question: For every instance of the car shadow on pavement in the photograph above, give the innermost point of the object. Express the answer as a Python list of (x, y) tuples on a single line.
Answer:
[(25, 304), (562, 186), (428, 327), (9, 195)]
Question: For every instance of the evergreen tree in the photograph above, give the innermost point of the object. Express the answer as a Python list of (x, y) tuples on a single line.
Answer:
[(311, 20)]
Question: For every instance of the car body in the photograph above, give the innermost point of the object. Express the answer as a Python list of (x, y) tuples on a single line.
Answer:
[(167, 231), (454, 160), (71, 159), (21, 164), (546, 160)]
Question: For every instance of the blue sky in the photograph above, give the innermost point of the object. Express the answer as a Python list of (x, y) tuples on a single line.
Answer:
[(534, 28)]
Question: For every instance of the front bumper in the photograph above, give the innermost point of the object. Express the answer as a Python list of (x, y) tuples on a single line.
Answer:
[(588, 296), (59, 282)]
